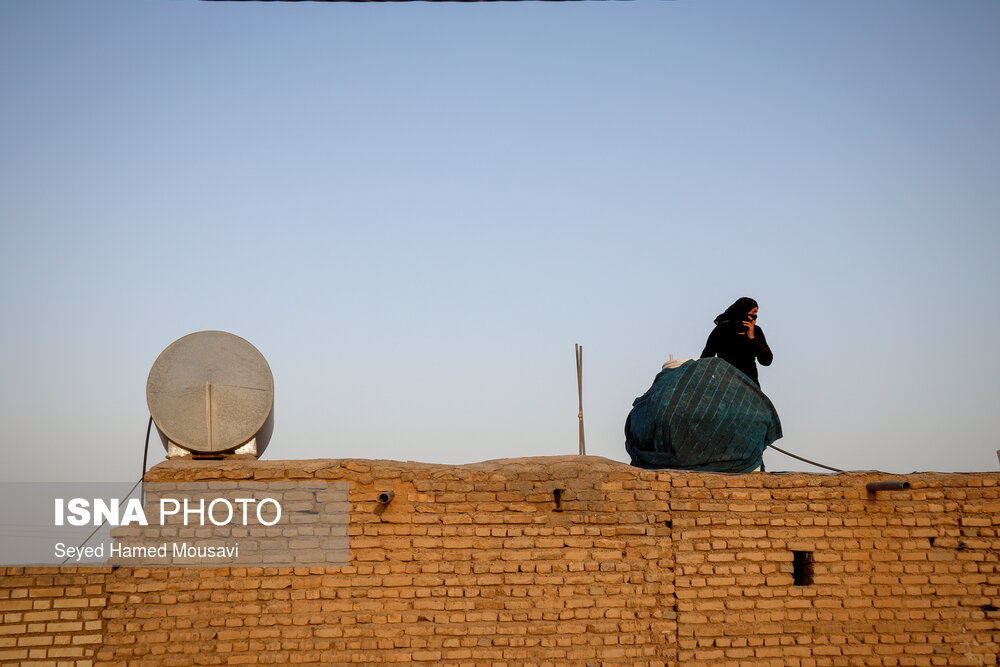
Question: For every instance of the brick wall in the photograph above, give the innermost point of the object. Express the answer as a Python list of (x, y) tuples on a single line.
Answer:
[(51, 615), (898, 577), (568, 560)]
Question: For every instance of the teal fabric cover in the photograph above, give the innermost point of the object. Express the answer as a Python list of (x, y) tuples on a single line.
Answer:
[(703, 415)]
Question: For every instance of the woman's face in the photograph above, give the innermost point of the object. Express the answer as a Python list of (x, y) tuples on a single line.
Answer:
[(753, 313)]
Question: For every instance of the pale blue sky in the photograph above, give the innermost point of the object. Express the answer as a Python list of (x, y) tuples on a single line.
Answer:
[(414, 210)]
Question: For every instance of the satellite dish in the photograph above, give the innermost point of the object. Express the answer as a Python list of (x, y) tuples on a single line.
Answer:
[(211, 394)]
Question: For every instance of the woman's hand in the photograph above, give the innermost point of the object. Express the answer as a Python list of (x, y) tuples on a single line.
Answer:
[(749, 322)]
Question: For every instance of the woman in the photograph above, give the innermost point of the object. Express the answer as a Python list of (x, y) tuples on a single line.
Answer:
[(737, 339)]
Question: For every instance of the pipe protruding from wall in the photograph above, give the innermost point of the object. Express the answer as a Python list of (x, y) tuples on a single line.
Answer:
[(891, 485), (557, 495), (385, 498)]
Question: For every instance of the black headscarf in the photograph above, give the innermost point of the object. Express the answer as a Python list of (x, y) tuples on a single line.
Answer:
[(738, 311)]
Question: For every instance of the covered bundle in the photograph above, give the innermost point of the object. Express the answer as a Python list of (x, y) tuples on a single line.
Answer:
[(702, 415)]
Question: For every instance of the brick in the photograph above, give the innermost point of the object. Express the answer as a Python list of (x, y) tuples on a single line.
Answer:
[(16, 654), (442, 580), (34, 641)]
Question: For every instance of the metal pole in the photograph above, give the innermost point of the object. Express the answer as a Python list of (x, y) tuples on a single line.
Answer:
[(579, 387)]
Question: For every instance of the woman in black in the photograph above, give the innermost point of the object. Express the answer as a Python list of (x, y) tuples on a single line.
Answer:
[(737, 338)]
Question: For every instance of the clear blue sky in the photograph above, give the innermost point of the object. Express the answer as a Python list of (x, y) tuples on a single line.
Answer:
[(415, 210)]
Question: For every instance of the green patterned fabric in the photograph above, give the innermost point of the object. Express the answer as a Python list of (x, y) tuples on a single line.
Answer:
[(703, 415)]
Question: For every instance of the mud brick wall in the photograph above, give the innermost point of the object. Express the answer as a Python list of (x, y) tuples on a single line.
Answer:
[(896, 577), (466, 564), (570, 560), (51, 615)]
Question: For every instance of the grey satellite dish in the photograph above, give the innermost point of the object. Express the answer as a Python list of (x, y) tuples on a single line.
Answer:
[(211, 394)]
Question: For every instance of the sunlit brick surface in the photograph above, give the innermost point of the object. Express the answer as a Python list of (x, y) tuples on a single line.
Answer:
[(486, 563)]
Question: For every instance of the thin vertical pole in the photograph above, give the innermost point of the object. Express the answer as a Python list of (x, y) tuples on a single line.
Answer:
[(579, 388)]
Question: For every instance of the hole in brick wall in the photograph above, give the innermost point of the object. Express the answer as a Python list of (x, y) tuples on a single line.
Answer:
[(960, 546), (989, 607), (930, 540), (557, 495), (668, 523), (802, 568)]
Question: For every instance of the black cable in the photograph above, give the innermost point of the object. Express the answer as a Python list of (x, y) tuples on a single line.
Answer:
[(145, 454), (102, 523), (818, 465)]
